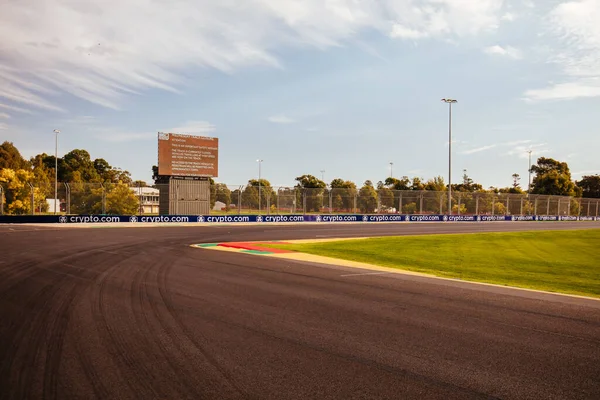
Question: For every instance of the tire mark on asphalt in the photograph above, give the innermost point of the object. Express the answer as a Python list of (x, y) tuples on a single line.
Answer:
[(162, 279)]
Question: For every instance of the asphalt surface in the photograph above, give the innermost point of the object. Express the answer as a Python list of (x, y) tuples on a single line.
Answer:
[(138, 314)]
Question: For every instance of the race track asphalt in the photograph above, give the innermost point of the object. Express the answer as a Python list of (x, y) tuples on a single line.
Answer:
[(136, 313)]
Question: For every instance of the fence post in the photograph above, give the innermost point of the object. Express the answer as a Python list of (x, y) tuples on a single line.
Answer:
[(354, 204), (521, 212), (548, 209), (477, 204), (493, 204), (535, 207), (597, 202), (400, 203), (304, 201), (32, 198), (420, 202), (67, 198), (459, 200), (330, 200), (1, 200), (240, 200), (103, 199), (507, 212)]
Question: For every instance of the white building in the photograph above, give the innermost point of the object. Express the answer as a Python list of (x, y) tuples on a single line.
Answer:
[(149, 199)]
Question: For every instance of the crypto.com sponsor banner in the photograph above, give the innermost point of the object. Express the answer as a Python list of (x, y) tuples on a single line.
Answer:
[(220, 219)]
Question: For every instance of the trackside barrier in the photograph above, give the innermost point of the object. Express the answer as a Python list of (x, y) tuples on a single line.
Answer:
[(333, 218)]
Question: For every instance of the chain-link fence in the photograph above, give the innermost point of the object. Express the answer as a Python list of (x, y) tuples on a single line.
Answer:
[(122, 199)]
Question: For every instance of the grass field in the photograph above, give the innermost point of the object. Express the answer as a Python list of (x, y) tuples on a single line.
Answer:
[(557, 261)]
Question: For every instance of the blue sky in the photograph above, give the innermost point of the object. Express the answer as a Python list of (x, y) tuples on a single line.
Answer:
[(345, 86)]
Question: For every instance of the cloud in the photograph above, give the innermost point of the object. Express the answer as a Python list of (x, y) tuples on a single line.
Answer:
[(3, 126), (522, 150), (193, 127), (479, 149), (115, 136), (587, 172), (566, 91), (508, 17), (13, 108), (573, 25), (280, 119), (517, 142), (61, 46), (4, 115), (507, 51)]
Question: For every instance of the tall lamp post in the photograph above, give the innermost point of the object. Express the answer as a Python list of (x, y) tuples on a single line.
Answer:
[(450, 102), (391, 170), (259, 185), (529, 170), (56, 131)]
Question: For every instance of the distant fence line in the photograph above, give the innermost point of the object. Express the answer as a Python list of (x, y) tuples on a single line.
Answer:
[(118, 199)]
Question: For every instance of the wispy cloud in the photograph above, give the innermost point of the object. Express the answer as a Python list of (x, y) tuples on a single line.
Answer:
[(4, 115), (586, 172), (104, 60), (3, 126), (509, 17), (506, 51), (116, 135), (122, 137), (194, 127), (280, 119), (13, 108), (479, 149), (521, 150), (573, 26), (517, 142)]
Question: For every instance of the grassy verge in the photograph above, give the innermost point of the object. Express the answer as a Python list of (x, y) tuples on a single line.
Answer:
[(557, 261)]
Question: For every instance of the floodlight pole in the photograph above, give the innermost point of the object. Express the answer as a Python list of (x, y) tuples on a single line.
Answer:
[(56, 131), (529, 170), (391, 170), (450, 102), (259, 186)]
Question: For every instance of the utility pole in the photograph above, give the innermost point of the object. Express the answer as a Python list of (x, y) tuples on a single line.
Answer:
[(259, 186), (56, 131), (450, 102), (391, 170), (529, 170)]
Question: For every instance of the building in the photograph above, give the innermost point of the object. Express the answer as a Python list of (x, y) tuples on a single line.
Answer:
[(149, 199)]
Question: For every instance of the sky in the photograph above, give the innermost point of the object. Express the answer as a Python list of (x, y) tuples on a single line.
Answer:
[(341, 86)]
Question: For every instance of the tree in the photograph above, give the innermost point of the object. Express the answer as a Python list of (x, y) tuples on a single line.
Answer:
[(120, 200), (313, 190), (17, 192), (417, 184), (553, 177), (398, 184), (223, 194), (516, 179), (367, 198), (79, 161), (590, 186), (250, 194), (11, 158), (343, 194), (467, 185)]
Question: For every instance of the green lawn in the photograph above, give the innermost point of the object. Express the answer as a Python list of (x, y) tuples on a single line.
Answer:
[(557, 261)]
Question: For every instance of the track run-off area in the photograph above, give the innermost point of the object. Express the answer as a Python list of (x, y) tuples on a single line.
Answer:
[(139, 313)]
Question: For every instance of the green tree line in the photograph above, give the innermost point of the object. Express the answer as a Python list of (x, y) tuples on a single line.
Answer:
[(95, 185), (98, 187)]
